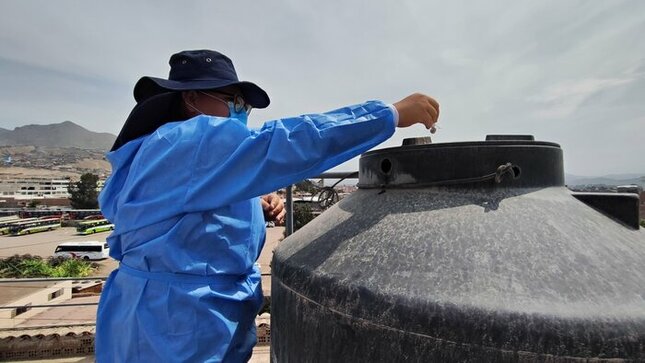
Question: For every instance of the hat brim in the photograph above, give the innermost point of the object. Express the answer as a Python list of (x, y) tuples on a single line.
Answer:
[(147, 87), (147, 116)]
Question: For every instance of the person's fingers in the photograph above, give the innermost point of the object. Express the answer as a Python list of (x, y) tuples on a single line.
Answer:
[(276, 211), (280, 217), (265, 204), (417, 108), (434, 103), (428, 121), (433, 112), (275, 200), (437, 111), (279, 206)]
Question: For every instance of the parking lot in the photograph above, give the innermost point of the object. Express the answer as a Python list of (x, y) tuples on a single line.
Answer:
[(44, 243)]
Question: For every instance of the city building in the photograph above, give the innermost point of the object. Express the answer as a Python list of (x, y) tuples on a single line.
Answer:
[(43, 191), (31, 187)]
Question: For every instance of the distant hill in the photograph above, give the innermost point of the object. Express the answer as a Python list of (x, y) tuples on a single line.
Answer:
[(66, 134), (617, 179)]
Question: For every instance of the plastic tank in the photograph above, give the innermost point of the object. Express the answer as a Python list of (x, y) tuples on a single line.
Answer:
[(463, 252)]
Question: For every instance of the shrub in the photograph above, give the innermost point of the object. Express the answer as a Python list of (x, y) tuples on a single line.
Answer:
[(72, 268), (302, 214), (54, 261), (27, 266), (35, 268)]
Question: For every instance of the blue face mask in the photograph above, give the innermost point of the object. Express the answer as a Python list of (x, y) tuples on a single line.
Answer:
[(241, 116)]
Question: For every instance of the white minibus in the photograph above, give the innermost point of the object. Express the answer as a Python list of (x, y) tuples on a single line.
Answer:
[(90, 250)]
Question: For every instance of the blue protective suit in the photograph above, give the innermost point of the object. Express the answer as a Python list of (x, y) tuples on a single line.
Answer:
[(189, 227)]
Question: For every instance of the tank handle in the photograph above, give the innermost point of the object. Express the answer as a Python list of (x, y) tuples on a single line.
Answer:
[(505, 169), (498, 176)]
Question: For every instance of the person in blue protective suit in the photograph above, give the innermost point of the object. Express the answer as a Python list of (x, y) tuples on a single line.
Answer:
[(185, 196)]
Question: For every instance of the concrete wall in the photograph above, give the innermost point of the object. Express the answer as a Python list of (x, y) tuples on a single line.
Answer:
[(42, 296)]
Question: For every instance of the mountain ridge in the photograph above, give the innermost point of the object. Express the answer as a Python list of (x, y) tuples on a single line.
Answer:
[(612, 179), (65, 134)]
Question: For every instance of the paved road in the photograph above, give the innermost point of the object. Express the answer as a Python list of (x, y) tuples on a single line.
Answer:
[(43, 243)]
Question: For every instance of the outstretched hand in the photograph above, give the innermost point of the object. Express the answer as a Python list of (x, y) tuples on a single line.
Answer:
[(418, 108), (273, 208)]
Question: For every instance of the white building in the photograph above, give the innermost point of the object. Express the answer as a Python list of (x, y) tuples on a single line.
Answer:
[(34, 187)]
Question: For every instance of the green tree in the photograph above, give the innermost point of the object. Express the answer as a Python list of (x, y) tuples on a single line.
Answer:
[(306, 186), (84, 193)]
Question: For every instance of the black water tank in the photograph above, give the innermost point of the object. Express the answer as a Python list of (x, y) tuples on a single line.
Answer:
[(461, 252)]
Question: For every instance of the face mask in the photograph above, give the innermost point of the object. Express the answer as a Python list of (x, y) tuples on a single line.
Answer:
[(241, 116)]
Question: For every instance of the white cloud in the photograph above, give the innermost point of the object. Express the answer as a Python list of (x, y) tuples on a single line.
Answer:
[(563, 99)]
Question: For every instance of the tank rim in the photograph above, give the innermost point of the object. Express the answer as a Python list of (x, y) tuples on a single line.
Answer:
[(459, 144)]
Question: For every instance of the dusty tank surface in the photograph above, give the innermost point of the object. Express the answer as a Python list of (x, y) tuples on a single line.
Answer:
[(463, 252)]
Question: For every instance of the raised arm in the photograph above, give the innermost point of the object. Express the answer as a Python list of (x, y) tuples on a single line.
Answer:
[(209, 162), (282, 152)]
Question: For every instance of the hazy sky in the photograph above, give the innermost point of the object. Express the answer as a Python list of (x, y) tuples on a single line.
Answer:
[(571, 72)]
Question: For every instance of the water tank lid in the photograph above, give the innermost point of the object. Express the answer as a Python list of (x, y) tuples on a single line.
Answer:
[(506, 160)]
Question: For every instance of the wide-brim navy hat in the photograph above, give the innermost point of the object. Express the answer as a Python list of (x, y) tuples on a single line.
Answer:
[(148, 115), (200, 70)]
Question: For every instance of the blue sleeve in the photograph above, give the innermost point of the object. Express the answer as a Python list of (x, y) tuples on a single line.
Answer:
[(233, 163)]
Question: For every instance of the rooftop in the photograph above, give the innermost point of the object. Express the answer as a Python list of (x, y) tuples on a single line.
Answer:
[(12, 291)]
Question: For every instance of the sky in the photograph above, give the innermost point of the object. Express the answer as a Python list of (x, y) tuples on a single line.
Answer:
[(570, 72)]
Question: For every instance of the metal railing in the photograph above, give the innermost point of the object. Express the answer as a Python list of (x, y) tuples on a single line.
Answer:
[(329, 175), (55, 279)]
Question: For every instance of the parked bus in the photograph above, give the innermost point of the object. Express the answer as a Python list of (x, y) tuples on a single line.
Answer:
[(77, 214), (40, 213), (5, 225), (94, 226), (90, 250), (67, 214), (38, 225), (95, 216)]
